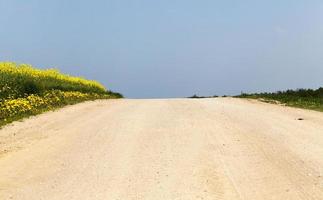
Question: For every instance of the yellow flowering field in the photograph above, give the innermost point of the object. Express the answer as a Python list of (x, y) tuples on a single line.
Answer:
[(16, 80), (34, 104), (26, 91)]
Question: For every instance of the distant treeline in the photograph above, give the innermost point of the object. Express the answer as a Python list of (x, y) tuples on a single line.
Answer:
[(302, 98), (201, 97)]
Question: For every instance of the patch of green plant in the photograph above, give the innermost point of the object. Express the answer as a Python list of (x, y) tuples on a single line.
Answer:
[(300, 98)]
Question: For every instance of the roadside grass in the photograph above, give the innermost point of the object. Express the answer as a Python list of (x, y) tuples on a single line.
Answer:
[(300, 98), (27, 91)]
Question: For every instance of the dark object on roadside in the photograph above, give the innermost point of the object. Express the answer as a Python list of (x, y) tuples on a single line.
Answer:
[(300, 119)]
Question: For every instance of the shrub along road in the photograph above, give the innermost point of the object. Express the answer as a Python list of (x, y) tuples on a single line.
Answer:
[(219, 148)]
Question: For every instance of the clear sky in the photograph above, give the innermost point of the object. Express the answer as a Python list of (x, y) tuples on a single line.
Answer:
[(170, 48)]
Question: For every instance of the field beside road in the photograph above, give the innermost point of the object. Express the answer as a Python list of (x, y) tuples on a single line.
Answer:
[(222, 148), (26, 91), (300, 98)]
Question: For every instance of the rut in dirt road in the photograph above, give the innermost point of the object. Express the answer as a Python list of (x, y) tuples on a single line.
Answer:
[(219, 148)]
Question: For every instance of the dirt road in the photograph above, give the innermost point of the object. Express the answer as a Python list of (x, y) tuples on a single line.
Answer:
[(180, 149)]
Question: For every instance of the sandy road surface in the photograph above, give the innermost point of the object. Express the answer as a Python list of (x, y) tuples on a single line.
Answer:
[(179, 149)]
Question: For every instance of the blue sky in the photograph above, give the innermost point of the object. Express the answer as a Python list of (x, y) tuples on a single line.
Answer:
[(170, 48)]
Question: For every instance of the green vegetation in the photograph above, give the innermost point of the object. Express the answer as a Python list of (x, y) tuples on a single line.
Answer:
[(301, 98), (26, 91)]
